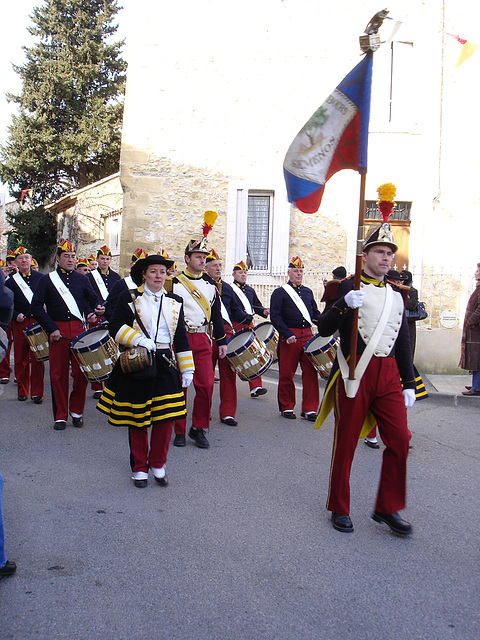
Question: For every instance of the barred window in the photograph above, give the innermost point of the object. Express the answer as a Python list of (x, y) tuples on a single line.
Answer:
[(401, 211), (258, 229)]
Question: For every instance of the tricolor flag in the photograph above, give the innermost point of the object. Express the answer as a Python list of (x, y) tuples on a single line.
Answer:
[(335, 138)]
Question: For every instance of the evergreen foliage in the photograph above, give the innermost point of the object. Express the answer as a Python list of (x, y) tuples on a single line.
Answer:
[(34, 228), (68, 128)]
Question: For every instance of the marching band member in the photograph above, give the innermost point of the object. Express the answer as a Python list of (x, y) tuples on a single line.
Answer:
[(384, 361), (293, 310), (202, 311), (92, 262), (233, 315), (34, 265), (122, 285), (29, 372), (157, 401), (10, 263), (249, 301), (82, 266), (103, 278), (69, 300), (5, 368)]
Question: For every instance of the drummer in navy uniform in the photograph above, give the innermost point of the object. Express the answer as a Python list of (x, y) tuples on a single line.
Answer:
[(203, 315), (292, 311), (29, 372), (249, 301), (103, 278), (70, 301), (233, 316), (124, 284), (384, 362)]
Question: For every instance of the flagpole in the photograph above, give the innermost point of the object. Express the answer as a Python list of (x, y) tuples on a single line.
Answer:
[(369, 43), (358, 273)]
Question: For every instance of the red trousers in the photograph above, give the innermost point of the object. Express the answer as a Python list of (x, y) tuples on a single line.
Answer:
[(5, 368), (29, 371), (228, 381), (381, 391), (203, 380), (141, 457), (60, 360), (289, 355)]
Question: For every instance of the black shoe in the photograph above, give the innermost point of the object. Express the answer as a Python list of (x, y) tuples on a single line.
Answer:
[(4, 380), (259, 391), (60, 425), (289, 415), (37, 399), (163, 482), (311, 416), (22, 398), (230, 421), (394, 521), (140, 484), (8, 568), (97, 394), (342, 523), (372, 445), (198, 436), (77, 422), (179, 440)]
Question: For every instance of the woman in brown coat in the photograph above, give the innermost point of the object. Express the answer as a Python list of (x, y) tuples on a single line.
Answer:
[(470, 354)]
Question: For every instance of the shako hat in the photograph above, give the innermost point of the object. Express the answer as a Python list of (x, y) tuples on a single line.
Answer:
[(138, 253), (382, 234), (241, 266), (143, 263), (296, 263), (104, 251), (199, 243), (65, 246), (212, 256), (10, 255)]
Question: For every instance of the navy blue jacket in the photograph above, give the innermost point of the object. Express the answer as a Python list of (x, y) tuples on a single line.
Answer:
[(57, 311), (20, 302), (109, 278), (285, 314), (252, 297), (232, 305)]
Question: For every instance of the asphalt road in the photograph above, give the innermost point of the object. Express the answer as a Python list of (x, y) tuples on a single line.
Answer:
[(239, 546)]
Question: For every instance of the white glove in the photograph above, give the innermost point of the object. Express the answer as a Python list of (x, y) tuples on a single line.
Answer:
[(354, 299), (147, 343), (187, 379), (409, 396)]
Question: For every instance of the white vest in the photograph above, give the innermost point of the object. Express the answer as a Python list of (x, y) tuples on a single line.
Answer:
[(369, 315)]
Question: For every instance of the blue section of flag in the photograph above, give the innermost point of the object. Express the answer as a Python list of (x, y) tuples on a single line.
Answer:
[(305, 159)]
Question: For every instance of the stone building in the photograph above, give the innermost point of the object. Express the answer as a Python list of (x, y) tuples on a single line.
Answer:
[(91, 217), (215, 94)]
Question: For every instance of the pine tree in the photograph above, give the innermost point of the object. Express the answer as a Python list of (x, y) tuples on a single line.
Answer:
[(68, 127)]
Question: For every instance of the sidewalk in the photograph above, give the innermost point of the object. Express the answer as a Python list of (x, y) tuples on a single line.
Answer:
[(445, 389)]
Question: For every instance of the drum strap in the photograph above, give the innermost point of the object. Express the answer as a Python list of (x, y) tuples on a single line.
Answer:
[(66, 295), (351, 386), (100, 283), (196, 294), (24, 288), (298, 302), (243, 299), (130, 283)]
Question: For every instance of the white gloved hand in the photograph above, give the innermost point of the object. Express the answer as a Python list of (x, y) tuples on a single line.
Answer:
[(409, 396), (148, 343), (187, 379), (354, 299)]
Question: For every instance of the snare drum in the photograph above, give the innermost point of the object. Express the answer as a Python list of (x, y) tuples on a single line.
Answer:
[(38, 341), (266, 333), (96, 352), (322, 352), (247, 356)]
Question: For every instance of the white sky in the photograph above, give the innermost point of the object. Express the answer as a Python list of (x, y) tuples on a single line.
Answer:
[(14, 36)]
